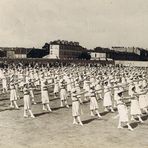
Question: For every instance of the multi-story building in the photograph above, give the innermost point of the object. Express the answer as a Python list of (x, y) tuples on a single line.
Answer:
[(126, 49), (20, 52), (65, 50)]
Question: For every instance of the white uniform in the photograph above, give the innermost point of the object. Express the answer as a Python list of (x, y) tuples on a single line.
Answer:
[(93, 101), (13, 96), (75, 105), (27, 101), (135, 107), (44, 93), (107, 101), (122, 110), (63, 93)]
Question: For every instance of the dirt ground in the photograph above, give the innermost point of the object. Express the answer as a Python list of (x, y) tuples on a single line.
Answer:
[(55, 130)]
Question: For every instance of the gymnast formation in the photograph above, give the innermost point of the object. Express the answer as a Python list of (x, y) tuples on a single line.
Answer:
[(120, 88)]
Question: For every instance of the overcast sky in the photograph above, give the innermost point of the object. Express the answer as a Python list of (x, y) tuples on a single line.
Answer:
[(105, 23)]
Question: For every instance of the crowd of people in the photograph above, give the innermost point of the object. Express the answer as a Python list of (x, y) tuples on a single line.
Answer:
[(119, 88)]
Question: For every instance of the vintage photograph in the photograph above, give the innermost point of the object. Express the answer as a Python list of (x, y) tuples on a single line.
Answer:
[(73, 74)]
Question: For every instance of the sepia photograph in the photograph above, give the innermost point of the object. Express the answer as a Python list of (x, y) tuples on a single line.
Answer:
[(73, 74)]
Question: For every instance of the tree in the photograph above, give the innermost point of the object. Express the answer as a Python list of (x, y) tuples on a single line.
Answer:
[(85, 55)]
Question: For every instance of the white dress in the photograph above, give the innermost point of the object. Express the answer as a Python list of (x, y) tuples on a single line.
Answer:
[(27, 101), (75, 105), (107, 101), (86, 88), (122, 110), (93, 101), (135, 107), (56, 87), (142, 99), (13, 96), (4, 83), (63, 93), (44, 93)]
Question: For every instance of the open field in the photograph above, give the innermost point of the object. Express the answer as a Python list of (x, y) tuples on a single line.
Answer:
[(52, 130)]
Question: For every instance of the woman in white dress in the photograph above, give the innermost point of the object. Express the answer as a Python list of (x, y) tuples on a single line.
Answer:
[(122, 110), (98, 93), (135, 107), (4, 84), (76, 107), (142, 98), (63, 93), (27, 102), (31, 90), (107, 101), (45, 95), (56, 87), (13, 95), (93, 102), (86, 87)]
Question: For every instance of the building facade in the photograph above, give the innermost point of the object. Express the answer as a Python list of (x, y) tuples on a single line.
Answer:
[(97, 55), (65, 50)]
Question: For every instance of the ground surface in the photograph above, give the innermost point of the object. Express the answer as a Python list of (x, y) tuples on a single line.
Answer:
[(52, 130)]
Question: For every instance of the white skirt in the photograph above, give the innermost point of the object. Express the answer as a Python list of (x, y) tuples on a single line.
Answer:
[(56, 88), (27, 102), (45, 97), (135, 107), (142, 101), (123, 114), (93, 103), (107, 101), (63, 95), (13, 96), (75, 108)]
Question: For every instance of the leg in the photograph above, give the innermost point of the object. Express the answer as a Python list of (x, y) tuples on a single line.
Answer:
[(66, 104), (32, 116), (33, 101), (44, 107), (74, 120), (11, 104), (132, 118), (48, 107), (120, 125), (25, 113), (140, 119), (16, 105), (98, 114), (61, 103), (106, 109), (79, 120), (111, 108), (92, 113), (129, 127)]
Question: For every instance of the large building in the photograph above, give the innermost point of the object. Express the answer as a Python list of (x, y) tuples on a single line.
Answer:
[(20, 52), (126, 49), (65, 50)]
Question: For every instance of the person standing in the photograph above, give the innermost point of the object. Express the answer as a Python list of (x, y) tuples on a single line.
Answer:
[(13, 95), (45, 95), (76, 107), (63, 93), (135, 107), (107, 101), (122, 110), (93, 102), (27, 101)]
